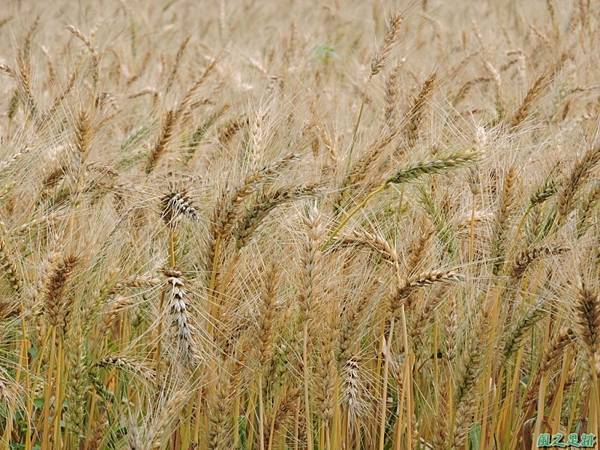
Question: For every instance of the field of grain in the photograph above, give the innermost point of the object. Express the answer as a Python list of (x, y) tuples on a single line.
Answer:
[(299, 224)]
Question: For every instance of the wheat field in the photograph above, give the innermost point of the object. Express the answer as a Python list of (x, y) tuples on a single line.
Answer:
[(274, 225)]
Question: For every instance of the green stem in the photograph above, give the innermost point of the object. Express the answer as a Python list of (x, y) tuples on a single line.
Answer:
[(309, 436), (172, 240), (354, 133), (261, 415)]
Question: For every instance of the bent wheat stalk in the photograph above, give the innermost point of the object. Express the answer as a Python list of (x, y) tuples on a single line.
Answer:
[(410, 173)]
